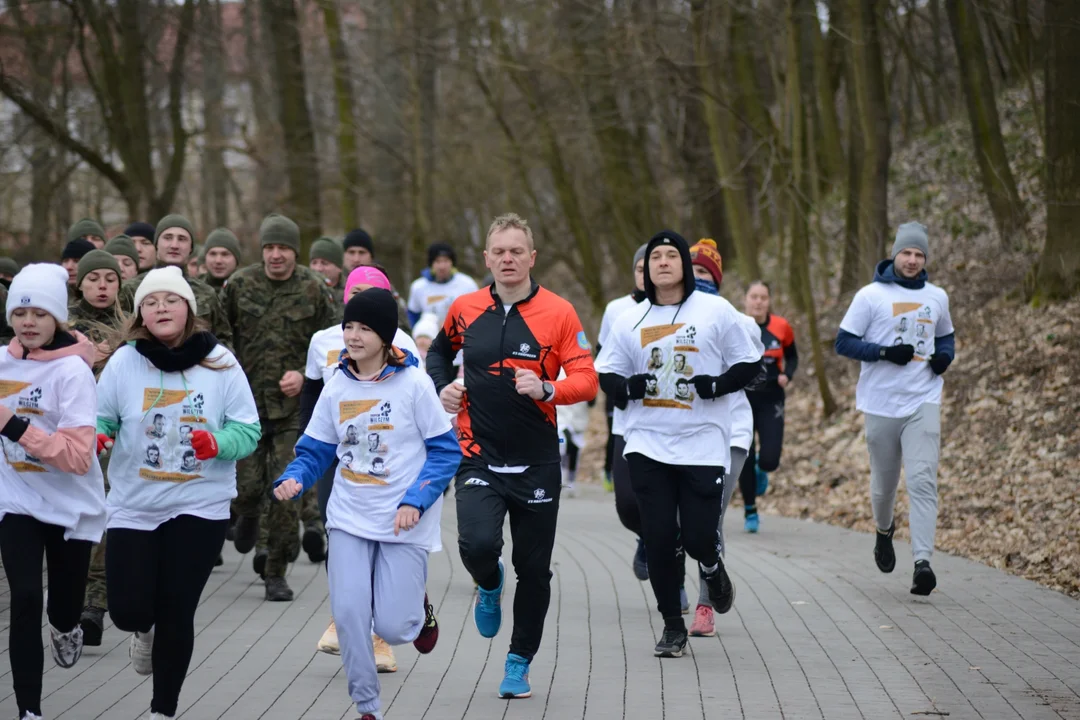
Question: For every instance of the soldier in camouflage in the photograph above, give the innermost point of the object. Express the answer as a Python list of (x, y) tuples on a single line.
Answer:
[(328, 259), (275, 307), (221, 254), (174, 238)]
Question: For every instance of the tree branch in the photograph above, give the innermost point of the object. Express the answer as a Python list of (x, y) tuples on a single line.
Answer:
[(176, 85)]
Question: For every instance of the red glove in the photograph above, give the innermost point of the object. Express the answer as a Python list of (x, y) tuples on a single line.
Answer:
[(104, 444), (205, 444)]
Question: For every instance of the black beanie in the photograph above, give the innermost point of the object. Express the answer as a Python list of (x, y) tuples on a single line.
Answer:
[(75, 249), (359, 238), (438, 250), (141, 229), (375, 308)]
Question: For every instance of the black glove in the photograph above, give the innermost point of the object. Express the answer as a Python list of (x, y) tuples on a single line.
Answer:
[(939, 363), (635, 386), (14, 428), (705, 386), (897, 354)]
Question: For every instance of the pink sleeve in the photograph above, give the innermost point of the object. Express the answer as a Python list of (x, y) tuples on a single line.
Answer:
[(68, 449)]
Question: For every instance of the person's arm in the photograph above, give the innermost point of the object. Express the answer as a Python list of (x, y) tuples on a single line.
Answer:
[(71, 448), (313, 459), (791, 358), (575, 355), (854, 347), (237, 440), (440, 466), (219, 323), (439, 362), (309, 395)]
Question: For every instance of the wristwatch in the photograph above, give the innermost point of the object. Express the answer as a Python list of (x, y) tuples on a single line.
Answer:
[(549, 391)]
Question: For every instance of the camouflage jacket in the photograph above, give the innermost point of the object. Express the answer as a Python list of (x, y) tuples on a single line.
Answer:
[(218, 285), (337, 292), (273, 321), (94, 323), (206, 300)]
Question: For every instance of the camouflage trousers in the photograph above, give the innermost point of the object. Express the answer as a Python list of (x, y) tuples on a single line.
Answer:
[(309, 516), (255, 476)]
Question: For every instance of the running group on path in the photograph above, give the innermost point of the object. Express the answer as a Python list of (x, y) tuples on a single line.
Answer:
[(159, 398)]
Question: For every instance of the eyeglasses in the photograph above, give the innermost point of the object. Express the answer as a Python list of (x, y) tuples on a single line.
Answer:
[(171, 303)]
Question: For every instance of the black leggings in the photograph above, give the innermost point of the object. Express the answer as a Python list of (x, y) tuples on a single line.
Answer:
[(155, 579), (24, 542), (626, 504), (679, 504), (768, 410)]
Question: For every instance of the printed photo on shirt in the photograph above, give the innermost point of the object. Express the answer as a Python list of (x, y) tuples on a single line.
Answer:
[(378, 467), (153, 456), (185, 434), (656, 359), (920, 348), (375, 444), (652, 388), (902, 327), (681, 368), (156, 431), (189, 463), (682, 390), (352, 436), (898, 341)]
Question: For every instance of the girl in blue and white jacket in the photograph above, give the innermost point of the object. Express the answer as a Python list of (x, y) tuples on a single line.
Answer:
[(380, 417)]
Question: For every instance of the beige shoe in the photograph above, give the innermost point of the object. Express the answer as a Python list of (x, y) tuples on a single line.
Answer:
[(384, 655), (328, 643)]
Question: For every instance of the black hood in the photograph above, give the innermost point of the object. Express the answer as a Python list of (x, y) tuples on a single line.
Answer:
[(670, 237)]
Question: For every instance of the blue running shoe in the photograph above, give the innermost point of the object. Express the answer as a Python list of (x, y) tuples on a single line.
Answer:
[(641, 563), (487, 613), (751, 524), (515, 683), (762, 480)]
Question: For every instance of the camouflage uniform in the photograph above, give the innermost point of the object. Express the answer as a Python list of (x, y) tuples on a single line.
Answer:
[(6, 333), (218, 285), (95, 323), (206, 299), (274, 322)]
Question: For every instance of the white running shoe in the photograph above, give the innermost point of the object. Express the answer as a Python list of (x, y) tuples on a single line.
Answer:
[(328, 643), (66, 647), (159, 716), (30, 716), (141, 652)]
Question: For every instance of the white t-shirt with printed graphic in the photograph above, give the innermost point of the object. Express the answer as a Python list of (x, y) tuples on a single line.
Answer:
[(325, 348), (614, 309), (52, 394), (154, 475), (889, 314), (436, 297), (379, 428), (674, 343)]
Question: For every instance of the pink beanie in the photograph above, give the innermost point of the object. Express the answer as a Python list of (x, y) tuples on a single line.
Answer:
[(366, 275)]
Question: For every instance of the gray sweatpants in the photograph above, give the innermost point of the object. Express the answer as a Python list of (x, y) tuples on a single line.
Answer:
[(913, 442), (731, 480), (371, 580)]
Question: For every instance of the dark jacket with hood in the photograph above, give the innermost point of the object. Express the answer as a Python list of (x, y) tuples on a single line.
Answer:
[(736, 378)]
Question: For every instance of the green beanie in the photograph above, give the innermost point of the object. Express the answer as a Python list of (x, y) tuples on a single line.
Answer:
[(8, 266), (123, 245), (223, 238), (328, 249), (279, 230), (85, 227), (171, 221), (96, 260)]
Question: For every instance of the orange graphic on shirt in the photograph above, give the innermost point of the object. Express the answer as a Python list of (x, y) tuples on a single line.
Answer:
[(904, 308), (156, 397), (26, 467), (332, 357), (665, 403), (349, 409), (10, 387), (650, 335), (173, 477), (361, 478)]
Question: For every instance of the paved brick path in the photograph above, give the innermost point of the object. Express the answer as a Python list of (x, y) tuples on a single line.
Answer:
[(816, 632)]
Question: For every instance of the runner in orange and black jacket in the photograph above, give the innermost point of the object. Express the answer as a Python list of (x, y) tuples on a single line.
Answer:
[(511, 446)]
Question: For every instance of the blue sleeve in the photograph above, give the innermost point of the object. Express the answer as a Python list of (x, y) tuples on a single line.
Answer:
[(443, 458), (413, 317), (945, 345), (313, 458), (855, 347)]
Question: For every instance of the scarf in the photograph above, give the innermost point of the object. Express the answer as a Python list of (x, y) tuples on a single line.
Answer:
[(189, 354)]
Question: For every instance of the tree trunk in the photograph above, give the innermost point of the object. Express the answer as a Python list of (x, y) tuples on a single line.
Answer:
[(425, 20), (997, 178), (869, 71), (1058, 273), (942, 92), (831, 152), (266, 140), (390, 167), (346, 122), (800, 96), (216, 214), (723, 141), (301, 160)]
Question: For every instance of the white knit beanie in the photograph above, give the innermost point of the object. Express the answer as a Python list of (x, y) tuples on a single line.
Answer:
[(166, 279), (40, 285), (426, 326)]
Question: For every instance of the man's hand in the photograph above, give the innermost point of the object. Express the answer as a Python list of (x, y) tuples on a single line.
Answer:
[(452, 396), (783, 380), (291, 383), (407, 517), (288, 490), (529, 383), (635, 386), (898, 354)]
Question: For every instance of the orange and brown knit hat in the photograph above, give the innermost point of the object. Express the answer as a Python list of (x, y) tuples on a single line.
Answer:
[(705, 254)]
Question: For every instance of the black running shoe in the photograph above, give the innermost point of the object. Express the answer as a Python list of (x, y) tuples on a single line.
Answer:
[(884, 555), (93, 626), (923, 581), (672, 644), (246, 534), (277, 590), (721, 589), (314, 543)]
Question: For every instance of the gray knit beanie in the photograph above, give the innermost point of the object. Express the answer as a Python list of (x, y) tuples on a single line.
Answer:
[(178, 221), (911, 235), (84, 227), (639, 255), (328, 249), (279, 230), (123, 245), (223, 238)]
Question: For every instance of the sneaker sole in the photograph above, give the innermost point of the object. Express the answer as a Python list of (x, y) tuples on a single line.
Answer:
[(668, 653), (384, 669), (513, 696), (885, 569), (328, 650), (924, 586), (711, 633)]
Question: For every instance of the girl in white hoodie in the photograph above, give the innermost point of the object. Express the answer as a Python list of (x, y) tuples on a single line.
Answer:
[(52, 494), (181, 411)]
